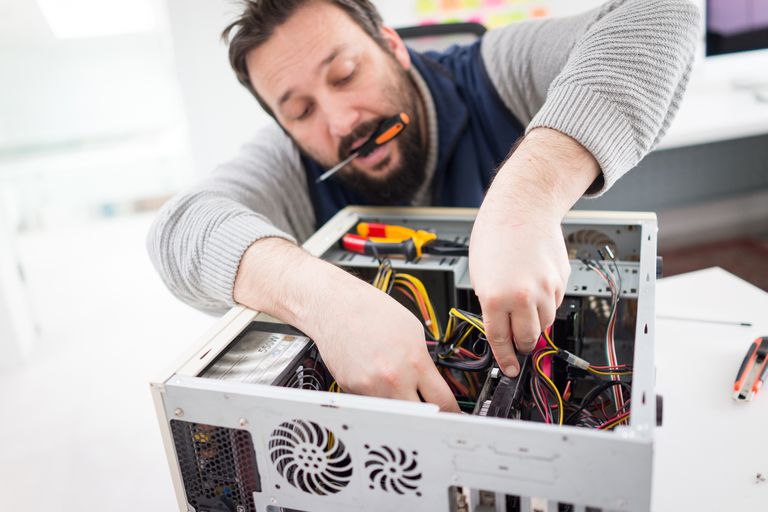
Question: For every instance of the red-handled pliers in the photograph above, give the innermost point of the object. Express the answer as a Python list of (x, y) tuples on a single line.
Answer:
[(752, 371), (381, 240)]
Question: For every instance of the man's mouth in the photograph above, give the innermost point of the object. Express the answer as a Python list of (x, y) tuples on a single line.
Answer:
[(375, 157), (359, 143)]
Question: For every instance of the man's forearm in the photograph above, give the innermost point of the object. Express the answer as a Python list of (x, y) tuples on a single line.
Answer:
[(518, 261), (612, 78), (546, 175), (283, 280)]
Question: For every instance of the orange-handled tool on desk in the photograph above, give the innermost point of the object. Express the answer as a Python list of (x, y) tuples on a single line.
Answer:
[(380, 240), (752, 372), (387, 130)]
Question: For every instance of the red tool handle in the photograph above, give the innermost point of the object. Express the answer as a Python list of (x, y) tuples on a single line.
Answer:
[(362, 245)]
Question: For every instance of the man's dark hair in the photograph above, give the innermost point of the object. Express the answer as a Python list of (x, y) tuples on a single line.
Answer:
[(260, 18)]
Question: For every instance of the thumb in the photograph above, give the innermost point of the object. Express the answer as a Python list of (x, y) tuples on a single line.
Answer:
[(498, 331)]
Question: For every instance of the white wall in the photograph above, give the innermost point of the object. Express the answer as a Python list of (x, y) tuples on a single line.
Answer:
[(87, 122), (221, 114), (55, 92)]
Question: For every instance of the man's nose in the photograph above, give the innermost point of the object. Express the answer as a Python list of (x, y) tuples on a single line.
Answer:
[(342, 120)]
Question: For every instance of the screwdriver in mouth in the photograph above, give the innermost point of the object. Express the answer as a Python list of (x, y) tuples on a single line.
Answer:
[(387, 130)]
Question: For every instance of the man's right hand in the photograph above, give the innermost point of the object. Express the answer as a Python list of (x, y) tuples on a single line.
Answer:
[(371, 343)]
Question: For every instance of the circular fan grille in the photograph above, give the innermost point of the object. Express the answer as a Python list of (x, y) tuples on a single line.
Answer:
[(393, 470), (584, 243), (310, 457)]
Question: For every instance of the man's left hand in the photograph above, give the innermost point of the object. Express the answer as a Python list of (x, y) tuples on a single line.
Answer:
[(517, 256)]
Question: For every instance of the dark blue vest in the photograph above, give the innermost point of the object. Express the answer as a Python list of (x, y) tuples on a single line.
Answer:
[(475, 133)]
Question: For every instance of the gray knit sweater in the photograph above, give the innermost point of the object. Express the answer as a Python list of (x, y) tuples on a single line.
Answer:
[(612, 78)]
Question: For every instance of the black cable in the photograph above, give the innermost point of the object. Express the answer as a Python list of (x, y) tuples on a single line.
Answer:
[(593, 394), (485, 362)]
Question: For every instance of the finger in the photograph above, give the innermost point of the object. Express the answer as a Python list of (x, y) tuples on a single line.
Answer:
[(546, 312), (435, 390), (499, 334), (526, 328), (559, 295), (565, 274), (402, 385), (404, 394)]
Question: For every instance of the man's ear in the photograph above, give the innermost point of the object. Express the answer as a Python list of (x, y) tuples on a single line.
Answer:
[(396, 46)]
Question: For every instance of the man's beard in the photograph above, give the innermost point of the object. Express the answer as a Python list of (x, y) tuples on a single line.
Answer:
[(402, 182)]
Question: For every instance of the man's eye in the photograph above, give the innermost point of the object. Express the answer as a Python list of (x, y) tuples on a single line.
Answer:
[(305, 113), (346, 79)]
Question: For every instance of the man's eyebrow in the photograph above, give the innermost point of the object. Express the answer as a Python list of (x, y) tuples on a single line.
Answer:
[(326, 61), (334, 53)]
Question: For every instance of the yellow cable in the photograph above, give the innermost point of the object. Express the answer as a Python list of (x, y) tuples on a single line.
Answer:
[(552, 384), (449, 327), (434, 327), (615, 423), (549, 340), (464, 337), (598, 372), (472, 321)]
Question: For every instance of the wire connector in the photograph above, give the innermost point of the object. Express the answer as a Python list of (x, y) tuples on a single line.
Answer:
[(572, 359)]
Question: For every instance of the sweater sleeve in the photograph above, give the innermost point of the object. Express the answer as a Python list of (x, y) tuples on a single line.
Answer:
[(197, 240), (612, 78)]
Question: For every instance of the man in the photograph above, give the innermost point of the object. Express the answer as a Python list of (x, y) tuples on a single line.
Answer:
[(592, 94)]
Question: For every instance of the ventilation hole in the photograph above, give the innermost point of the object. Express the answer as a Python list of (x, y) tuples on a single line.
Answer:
[(393, 470), (645, 329), (217, 464), (586, 242), (643, 398), (328, 466)]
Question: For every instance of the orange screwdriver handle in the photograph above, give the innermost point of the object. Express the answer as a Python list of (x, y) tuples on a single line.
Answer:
[(387, 130)]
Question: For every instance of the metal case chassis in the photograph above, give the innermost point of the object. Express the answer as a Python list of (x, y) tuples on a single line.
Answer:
[(605, 470)]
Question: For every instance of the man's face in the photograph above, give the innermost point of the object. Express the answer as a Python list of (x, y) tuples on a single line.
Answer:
[(330, 85)]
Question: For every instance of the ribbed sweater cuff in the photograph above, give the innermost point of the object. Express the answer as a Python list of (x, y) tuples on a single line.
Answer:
[(594, 122), (225, 248)]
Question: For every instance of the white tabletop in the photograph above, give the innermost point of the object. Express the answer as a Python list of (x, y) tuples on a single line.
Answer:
[(710, 448), (716, 112)]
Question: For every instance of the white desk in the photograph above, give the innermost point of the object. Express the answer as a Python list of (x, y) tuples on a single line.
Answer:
[(710, 448), (716, 112)]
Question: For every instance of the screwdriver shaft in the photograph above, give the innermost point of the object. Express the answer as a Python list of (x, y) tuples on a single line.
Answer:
[(330, 172)]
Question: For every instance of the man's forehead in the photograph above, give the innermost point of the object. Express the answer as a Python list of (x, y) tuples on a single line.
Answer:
[(309, 40), (332, 54)]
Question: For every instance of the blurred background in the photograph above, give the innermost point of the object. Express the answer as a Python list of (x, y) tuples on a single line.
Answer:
[(108, 107)]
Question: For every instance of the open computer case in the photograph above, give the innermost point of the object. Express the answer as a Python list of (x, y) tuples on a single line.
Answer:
[(252, 421)]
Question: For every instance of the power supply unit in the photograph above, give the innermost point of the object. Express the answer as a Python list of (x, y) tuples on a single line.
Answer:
[(252, 420)]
